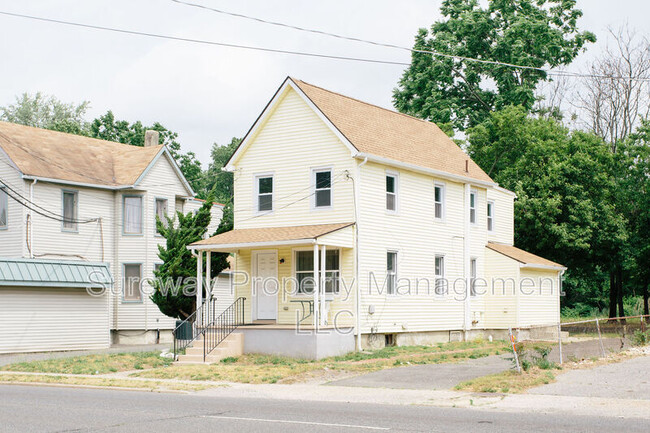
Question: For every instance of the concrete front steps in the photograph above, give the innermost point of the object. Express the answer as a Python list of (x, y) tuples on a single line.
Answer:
[(232, 345)]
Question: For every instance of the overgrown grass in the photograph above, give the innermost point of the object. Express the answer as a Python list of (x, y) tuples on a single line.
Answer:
[(508, 381), (273, 369), (93, 364)]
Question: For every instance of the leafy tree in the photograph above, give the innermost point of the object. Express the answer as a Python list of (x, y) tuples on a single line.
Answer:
[(106, 127), (179, 265), (42, 111), (453, 91), (565, 186), (217, 180)]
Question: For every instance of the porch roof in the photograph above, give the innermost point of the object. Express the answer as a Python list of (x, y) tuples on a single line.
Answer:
[(525, 258), (271, 236)]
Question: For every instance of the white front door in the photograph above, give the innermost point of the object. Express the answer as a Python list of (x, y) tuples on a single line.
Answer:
[(266, 285)]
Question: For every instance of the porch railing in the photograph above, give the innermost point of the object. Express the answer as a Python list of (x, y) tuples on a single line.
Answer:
[(194, 326), (223, 325)]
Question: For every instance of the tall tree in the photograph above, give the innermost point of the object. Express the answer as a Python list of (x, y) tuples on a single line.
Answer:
[(214, 178), (462, 93), (565, 187), (48, 112)]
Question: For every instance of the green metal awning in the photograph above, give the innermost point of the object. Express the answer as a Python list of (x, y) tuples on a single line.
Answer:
[(54, 273)]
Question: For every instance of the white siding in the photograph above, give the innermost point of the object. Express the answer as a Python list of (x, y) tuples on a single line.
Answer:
[(12, 239), (504, 227), (502, 275), (193, 205), (539, 299), (292, 142), (42, 319)]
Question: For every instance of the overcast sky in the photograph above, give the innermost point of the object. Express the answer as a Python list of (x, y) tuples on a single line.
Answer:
[(209, 94)]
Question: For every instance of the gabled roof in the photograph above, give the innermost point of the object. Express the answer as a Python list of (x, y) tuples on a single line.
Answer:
[(54, 273), (523, 257), (389, 135), (269, 235), (73, 158)]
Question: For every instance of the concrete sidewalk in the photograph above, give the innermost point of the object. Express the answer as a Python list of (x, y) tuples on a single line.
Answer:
[(429, 376), (11, 358)]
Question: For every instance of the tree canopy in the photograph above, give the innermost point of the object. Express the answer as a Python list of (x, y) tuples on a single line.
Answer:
[(462, 93)]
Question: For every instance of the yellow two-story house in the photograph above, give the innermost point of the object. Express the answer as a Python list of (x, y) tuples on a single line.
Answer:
[(357, 226)]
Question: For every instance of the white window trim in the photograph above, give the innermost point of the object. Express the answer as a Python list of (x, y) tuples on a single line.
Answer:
[(315, 170), (328, 296), (395, 175), (131, 301), (5, 201), (256, 193), (490, 217), (436, 276), (396, 272), (475, 193), (443, 188), (475, 277), (75, 210), (155, 213)]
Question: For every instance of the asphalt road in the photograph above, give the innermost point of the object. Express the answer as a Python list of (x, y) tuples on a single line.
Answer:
[(58, 409)]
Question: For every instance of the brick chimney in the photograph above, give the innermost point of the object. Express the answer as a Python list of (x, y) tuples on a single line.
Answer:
[(151, 138)]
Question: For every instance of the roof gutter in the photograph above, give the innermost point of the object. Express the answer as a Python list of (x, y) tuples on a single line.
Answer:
[(215, 247), (420, 169), (71, 182), (547, 267)]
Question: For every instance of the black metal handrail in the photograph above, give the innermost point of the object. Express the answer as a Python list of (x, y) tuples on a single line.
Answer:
[(223, 325), (194, 326)]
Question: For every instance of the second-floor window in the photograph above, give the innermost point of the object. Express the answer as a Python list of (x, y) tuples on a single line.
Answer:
[(391, 192), (323, 188), (439, 201), (472, 207), (264, 185), (70, 211), (472, 276), (161, 211), (132, 215), (490, 216), (131, 282), (440, 282), (4, 208)]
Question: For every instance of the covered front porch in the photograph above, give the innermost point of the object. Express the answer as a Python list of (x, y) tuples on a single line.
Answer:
[(299, 287)]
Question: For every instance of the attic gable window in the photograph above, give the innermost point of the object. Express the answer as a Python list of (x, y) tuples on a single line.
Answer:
[(264, 186), (323, 188), (4, 208)]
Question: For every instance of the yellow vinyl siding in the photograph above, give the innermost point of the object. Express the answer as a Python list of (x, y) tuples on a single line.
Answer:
[(504, 231), (542, 306), (292, 142), (501, 302)]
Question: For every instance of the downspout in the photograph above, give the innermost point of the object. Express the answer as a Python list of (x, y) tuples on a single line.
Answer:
[(31, 219), (355, 185), (466, 264)]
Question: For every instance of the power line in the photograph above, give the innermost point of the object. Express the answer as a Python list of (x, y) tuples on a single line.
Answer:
[(403, 48), (204, 42)]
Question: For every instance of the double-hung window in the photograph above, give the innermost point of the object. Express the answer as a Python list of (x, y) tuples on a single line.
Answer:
[(391, 272), (4, 208), (472, 206), (70, 211), (264, 186), (391, 192), (305, 271), (132, 218), (490, 216), (323, 188), (439, 201), (161, 211), (440, 282), (131, 282)]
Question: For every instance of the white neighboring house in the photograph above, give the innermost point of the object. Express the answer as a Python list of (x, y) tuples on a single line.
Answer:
[(364, 204), (73, 210)]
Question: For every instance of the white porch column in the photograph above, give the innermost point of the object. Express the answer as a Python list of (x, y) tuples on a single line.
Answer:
[(199, 285), (323, 310), (316, 288), (208, 274)]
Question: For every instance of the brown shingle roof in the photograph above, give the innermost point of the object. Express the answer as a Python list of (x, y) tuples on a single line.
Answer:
[(272, 234), (389, 134), (57, 155), (521, 255)]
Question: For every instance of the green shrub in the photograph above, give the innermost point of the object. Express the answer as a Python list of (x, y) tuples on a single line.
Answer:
[(641, 338)]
